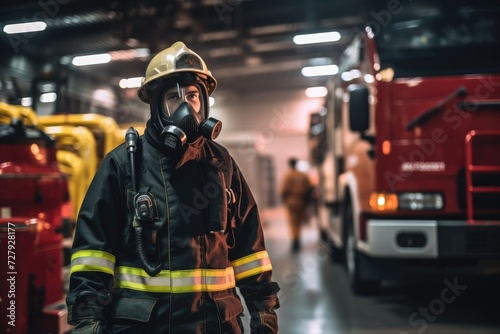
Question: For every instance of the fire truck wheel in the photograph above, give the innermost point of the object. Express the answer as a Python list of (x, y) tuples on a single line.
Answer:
[(359, 285)]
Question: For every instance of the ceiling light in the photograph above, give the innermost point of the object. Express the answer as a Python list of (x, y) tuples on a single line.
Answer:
[(48, 97), (129, 54), (350, 75), (369, 78), (101, 58), (314, 71), (22, 28), (322, 37), (26, 101), (131, 82), (319, 91)]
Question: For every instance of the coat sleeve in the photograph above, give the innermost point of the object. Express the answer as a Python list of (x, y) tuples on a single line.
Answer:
[(250, 260), (99, 227)]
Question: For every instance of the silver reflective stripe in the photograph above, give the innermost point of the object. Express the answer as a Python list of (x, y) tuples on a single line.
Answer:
[(252, 264), (180, 281), (91, 260)]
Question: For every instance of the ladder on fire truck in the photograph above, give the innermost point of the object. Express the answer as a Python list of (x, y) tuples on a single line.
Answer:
[(482, 157)]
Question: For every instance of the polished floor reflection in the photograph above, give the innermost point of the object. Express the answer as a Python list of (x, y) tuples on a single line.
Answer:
[(316, 299)]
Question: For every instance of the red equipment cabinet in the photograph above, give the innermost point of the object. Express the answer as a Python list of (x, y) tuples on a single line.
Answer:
[(32, 193)]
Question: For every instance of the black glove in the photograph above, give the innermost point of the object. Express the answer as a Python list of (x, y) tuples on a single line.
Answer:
[(90, 327), (264, 322)]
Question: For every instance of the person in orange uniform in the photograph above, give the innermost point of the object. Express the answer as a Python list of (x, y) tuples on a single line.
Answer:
[(296, 193)]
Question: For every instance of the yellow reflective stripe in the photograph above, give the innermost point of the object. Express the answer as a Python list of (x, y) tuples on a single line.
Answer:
[(180, 281), (252, 264), (92, 260)]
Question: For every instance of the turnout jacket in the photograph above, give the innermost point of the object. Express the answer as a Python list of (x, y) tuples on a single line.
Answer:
[(208, 239)]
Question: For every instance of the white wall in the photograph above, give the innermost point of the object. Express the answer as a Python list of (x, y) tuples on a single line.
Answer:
[(275, 123)]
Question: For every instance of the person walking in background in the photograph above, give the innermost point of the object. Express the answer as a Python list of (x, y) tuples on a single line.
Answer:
[(296, 193)]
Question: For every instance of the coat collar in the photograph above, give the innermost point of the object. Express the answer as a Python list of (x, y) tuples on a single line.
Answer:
[(192, 151)]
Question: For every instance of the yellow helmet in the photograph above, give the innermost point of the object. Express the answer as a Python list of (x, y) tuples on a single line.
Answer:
[(173, 61)]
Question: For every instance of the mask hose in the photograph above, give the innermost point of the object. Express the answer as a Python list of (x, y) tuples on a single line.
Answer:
[(131, 140)]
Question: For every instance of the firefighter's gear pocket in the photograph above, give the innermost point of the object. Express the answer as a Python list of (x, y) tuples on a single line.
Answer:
[(89, 327), (132, 315), (217, 208), (229, 308)]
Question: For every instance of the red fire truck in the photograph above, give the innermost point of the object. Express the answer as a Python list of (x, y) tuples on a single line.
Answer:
[(408, 144)]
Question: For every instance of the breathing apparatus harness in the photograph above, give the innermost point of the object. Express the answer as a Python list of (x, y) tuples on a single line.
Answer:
[(143, 212)]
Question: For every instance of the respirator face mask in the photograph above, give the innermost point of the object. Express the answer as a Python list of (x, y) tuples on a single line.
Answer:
[(183, 115)]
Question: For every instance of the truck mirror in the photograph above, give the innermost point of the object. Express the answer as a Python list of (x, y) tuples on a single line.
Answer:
[(359, 109)]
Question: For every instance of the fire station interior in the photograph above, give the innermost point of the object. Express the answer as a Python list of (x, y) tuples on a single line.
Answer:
[(67, 115)]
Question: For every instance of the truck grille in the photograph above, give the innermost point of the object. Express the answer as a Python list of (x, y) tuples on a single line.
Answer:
[(482, 175)]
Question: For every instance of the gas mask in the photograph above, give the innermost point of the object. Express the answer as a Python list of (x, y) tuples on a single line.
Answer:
[(181, 115)]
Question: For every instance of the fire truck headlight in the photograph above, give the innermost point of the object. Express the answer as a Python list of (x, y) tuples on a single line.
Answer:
[(420, 201)]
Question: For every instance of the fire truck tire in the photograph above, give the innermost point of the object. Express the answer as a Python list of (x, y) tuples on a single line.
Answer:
[(359, 285)]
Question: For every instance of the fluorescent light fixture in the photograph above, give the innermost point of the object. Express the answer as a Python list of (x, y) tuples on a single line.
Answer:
[(369, 78), (350, 75), (319, 91), (314, 71), (131, 82), (48, 97), (101, 58), (22, 28), (26, 101), (211, 101), (322, 37), (129, 54)]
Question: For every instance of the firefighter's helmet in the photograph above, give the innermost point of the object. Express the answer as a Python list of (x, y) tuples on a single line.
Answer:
[(177, 62)]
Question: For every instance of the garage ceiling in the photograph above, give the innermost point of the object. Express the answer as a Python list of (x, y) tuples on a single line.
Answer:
[(247, 44)]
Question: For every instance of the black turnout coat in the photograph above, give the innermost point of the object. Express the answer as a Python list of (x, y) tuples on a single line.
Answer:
[(204, 233)]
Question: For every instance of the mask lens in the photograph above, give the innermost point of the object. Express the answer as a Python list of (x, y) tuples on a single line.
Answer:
[(174, 95)]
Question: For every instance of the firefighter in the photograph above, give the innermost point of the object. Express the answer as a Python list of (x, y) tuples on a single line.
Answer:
[(296, 192), (169, 227)]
